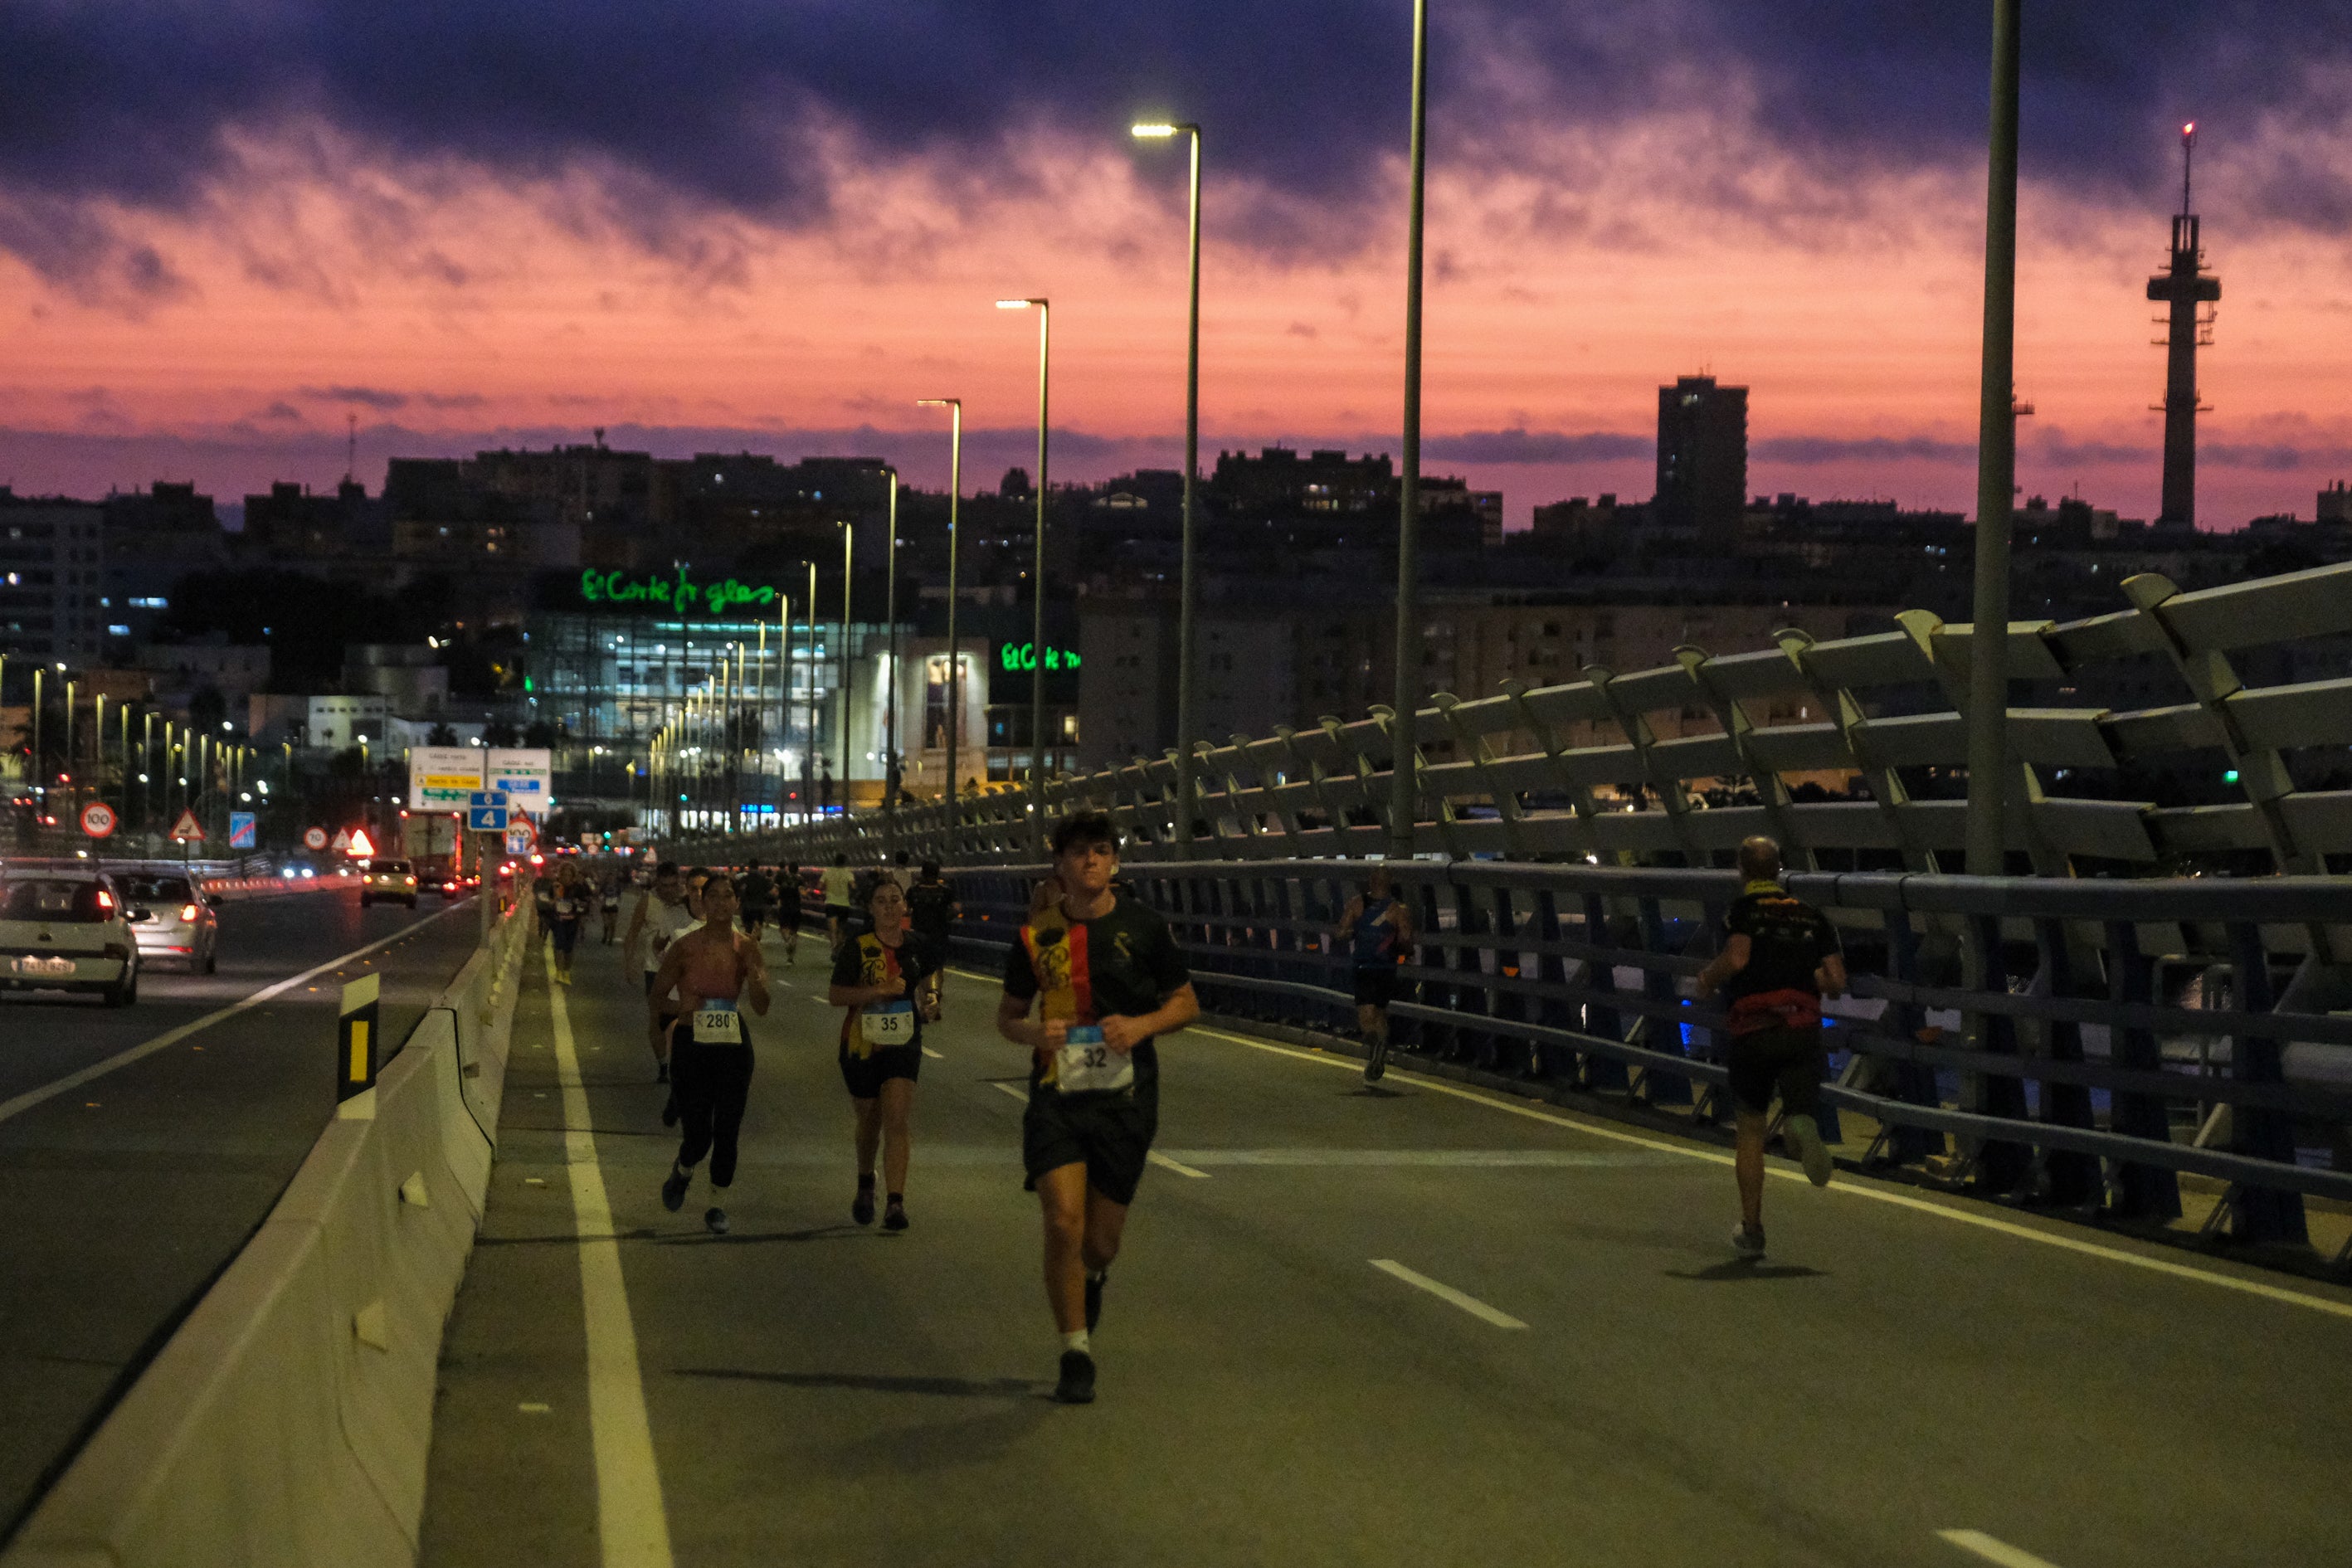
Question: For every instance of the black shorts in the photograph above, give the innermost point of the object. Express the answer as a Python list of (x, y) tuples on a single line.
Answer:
[(866, 1075), (838, 912), (755, 914), (1376, 985), (1110, 1134), (1792, 1061), (788, 915), (564, 934)]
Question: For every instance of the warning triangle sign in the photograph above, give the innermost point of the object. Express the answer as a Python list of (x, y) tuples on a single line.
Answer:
[(342, 840), (187, 830)]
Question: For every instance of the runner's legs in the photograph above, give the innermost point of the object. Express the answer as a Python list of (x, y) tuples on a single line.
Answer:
[(897, 1099), (1083, 1228)]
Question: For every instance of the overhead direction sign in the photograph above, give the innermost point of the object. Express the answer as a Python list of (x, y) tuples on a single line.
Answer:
[(441, 778), (98, 819), (524, 774), (240, 830), (187, 830)]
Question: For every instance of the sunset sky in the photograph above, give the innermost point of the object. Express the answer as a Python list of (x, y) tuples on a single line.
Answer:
[(226, 226)]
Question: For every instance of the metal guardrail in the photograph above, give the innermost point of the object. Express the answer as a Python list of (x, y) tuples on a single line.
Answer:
[(1618, 768), (2081, 1046)]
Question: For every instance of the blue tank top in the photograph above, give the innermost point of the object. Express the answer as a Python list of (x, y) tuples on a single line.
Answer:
[(1375, 937)]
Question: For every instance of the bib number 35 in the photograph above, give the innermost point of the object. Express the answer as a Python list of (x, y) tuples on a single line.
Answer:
[(1086, 1066), (887, 1024)]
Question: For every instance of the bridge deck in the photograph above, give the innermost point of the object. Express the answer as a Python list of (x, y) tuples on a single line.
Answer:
[(818, 1393)]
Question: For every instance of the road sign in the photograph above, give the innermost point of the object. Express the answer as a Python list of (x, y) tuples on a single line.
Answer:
[(314, 839), (342, 840), (525, 772), (98, 819), (240, 830), (187, 830), (518, 839), (486, 812), (441, 778), (361, 843)]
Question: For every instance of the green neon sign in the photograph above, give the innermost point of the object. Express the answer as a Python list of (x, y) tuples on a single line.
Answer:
[(1020, 656), (677, 592)]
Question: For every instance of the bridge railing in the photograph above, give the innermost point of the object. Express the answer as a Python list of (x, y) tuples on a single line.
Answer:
[(2082, 1046), (1826, 745)]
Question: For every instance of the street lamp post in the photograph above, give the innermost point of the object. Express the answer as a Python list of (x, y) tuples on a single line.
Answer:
[(954, 405), (1037, 587), (848, 552), (1988, 716), (890, 696), (1403, 803), (1187, 589), (808, 752)]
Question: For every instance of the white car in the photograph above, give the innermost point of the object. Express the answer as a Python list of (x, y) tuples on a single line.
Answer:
[(68, 930), (172, 922)]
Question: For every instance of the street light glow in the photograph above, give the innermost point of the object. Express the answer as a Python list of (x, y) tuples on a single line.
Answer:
[(1017, 304), (1154, 129)]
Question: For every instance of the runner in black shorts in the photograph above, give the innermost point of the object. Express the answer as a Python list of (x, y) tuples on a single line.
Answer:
[(756, 893), (1106, 976), (1378, 930), (931, 906), (788, 911), (1779, 958), (878, 982)]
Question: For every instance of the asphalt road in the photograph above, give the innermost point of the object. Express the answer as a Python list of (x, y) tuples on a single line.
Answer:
[(1420, 1327), (121, 1196)]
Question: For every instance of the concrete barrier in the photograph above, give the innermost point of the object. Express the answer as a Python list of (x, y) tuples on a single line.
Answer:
[(287, 1423)]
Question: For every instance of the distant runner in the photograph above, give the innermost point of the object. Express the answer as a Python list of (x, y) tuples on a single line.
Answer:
[(568, 908), (756, 894), (1779, 958), (1107, 976), (879, 980), (712, 969), (660, 918), (840, 885), (1378, 930), (788, 911), (610, 899), (931, 904)]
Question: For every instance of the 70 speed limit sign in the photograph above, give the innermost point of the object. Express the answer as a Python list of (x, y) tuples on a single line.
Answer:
[(98, 819)]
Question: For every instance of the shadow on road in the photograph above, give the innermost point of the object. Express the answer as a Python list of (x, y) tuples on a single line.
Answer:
[(816, 1233), (871, 1382), (1736, 1268)]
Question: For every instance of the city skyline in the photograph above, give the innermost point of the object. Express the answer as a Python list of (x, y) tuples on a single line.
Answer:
[(720, 276)]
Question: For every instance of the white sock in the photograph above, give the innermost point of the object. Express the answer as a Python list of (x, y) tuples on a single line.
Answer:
[(1076, 1340)]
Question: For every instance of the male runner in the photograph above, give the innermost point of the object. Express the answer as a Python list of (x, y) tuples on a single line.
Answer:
[(1107, 976), (755, 893), (1378, 929), (661, 916), (880, 981), (840, 884), (1779, 958), (931, 902), (788, 911)]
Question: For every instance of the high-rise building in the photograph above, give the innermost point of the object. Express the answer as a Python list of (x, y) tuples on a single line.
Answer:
[(51, 557), (2185, 286), (1702, 457)]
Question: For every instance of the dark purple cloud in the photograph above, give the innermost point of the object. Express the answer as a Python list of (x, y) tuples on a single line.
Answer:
[(724, 104)]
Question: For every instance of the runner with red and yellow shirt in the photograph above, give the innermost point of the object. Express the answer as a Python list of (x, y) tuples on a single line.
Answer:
[(878, 983), (1105, 977)]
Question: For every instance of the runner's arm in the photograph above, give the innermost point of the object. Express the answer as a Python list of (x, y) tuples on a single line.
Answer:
[(1400, 919), (673, 968), (1734, 957), (755, 974), (637, 928), (1830, 977), (1176, 1009), (1013, 1022)]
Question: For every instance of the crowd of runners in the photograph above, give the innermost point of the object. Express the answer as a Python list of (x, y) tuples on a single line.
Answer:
[(1093, 979)]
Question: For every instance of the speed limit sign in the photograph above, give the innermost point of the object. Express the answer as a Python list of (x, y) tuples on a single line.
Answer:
[(314, 839), (98, 819)]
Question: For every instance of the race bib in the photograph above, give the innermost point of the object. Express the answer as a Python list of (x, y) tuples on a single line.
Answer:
[(566, 906), (718, 1023), (1086, 1066), (887, 1024)]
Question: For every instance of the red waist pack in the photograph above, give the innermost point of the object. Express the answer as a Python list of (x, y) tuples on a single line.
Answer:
[(1788, 1009)]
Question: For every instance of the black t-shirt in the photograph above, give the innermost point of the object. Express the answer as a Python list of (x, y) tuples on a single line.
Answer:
[(755, 890), (932, 907), (867, 960), (1787, 940), (1120, 963)]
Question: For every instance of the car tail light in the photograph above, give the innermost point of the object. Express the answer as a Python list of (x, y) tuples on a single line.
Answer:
[(105, 902), (188, 913), (410, 880)]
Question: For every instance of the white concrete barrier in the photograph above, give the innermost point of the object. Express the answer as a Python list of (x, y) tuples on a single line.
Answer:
[(287, 1421)]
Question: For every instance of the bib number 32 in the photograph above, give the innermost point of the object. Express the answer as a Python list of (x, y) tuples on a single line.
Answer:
[(1086, 1066)]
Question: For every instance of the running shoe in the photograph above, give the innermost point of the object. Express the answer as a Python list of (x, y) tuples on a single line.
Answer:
[(674, 1189), (1376, 1058), (1095, 1283), (894, 1215), (862, 1208), (716, 1218), (1077, 1384), (1812, 1152), (1748, 1242)]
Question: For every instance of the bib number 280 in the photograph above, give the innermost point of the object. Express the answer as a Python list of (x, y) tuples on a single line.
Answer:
[(1086, 1066)]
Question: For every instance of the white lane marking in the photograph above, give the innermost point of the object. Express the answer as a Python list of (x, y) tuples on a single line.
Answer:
[(1993, 1549), (1182, 1169), (1020, 1094), (169, 1038), (1847, 1183), (1447, 1293), (1426, 1159), (933, 1055), (632, 1526)]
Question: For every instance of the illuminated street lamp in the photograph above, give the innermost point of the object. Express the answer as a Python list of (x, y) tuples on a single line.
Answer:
[(1987, 711), (1186, 596), (848, 548), (1403, 803), (954, 405), (1037, 589)]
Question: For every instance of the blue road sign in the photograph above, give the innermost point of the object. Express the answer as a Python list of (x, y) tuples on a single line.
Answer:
[(486, 818), (240, 830), (481, 797)]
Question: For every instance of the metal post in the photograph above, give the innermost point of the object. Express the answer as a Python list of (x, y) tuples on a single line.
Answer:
[(808, 752), (1188, 596), (955, 651), (1402, 793), (848, 546), (1987, 715), (890, 696), (1037, 594)]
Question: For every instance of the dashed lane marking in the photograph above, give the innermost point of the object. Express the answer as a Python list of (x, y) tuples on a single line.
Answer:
[(1993, 1549), (1846, 1184), (632, 1526), (1182, 1169), (1447, 1293)]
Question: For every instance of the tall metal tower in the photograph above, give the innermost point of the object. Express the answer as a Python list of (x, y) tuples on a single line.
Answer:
[(2185, 286)]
